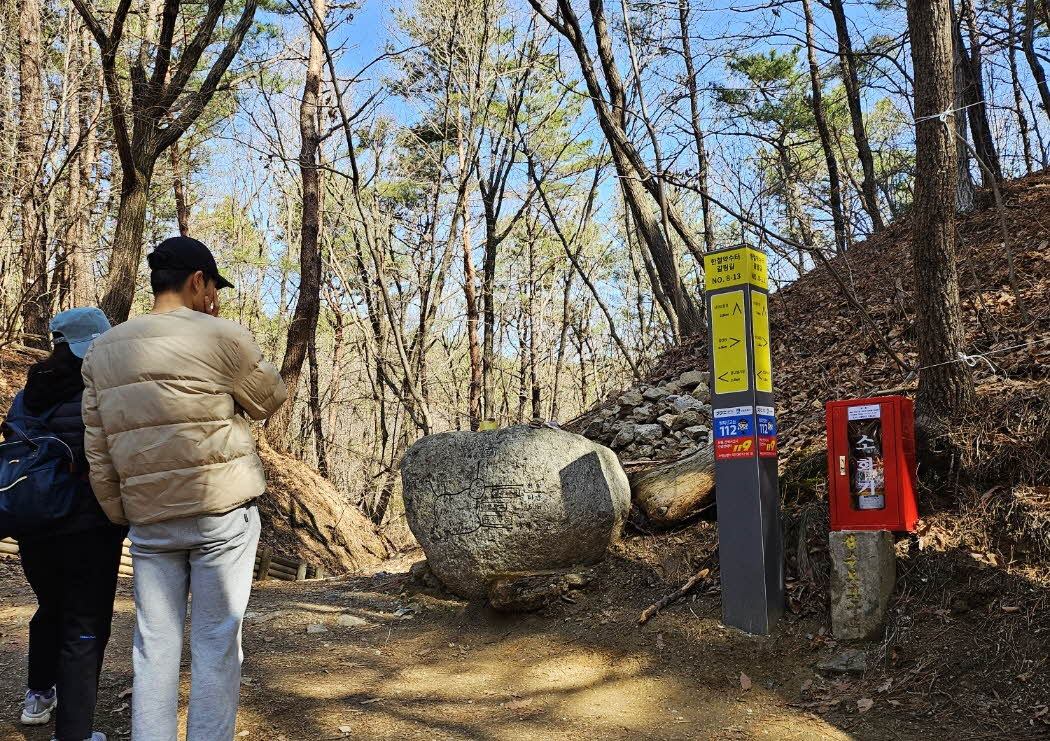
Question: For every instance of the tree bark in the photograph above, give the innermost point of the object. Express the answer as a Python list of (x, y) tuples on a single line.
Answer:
[(84, 288), (488, 295), (73, 221), (945, 385), (676, 491), (851, 82), (530, 313), (834, 187), (36, 303), (302, 331), (127, 243)]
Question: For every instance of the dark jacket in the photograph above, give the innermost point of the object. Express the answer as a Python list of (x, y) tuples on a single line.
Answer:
[(52, 383)]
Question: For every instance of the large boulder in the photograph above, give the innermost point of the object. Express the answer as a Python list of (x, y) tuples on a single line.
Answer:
[(511, 502)]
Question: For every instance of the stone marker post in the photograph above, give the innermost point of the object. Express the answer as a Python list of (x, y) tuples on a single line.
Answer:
[(863, 572)]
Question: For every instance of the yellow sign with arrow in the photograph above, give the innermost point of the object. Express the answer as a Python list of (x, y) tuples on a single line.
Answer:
[(760, 333), (729, 340)]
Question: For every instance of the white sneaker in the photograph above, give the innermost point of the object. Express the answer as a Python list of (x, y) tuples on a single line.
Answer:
[(38, 707)]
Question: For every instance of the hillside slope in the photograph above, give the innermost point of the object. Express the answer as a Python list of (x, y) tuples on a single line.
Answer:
[(823, 350)]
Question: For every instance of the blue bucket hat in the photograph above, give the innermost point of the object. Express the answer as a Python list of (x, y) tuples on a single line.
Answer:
[(78, 328)]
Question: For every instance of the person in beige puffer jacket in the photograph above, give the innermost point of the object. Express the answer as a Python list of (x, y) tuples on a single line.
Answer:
[(165, 434), (166, 404)]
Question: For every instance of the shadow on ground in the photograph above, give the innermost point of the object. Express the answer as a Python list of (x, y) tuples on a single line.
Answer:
[(448, 671)]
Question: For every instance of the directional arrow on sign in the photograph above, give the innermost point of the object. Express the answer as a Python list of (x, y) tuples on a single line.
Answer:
[(762, 375), (733, 341), (737, 309), (762, 341), (724, 377)]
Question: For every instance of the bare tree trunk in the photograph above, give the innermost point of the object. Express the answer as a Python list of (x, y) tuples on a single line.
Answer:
[(559, 362), (182, 206), (127, 244), (35, 300), (694, 120), (8, 189), (302, 331), (73, 221), (835, 192), (85, 289), (85, 105), (471, 298), (1015, 84), (523, 360), (1030, 54), (945, 385), (636, 180), (851, 83), (965, 189), (315, 413), (488, 294), (530, 313), (973, 96)]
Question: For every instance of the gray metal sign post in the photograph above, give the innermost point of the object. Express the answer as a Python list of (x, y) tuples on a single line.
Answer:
[(750, 533)]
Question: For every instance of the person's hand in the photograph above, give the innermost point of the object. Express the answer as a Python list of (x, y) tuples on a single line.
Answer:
[(212, 300)]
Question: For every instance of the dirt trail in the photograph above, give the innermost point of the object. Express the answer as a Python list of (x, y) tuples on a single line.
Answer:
[(443, 670), (451, 672)]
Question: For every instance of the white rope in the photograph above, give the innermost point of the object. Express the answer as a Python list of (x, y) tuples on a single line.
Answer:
[(943, 115), (971, 360)]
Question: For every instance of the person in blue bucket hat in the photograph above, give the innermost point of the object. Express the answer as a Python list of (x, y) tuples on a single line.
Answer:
[(71, 563)]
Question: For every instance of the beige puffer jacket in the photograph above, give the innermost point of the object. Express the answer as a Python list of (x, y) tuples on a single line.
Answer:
[(165, 437)]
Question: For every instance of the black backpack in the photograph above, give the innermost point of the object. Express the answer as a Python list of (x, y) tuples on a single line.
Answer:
[(38, 478)]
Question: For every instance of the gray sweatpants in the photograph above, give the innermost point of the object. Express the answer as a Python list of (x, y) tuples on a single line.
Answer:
[(211, 557)]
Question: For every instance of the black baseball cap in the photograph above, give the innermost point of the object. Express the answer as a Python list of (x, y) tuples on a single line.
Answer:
[(183, 253)]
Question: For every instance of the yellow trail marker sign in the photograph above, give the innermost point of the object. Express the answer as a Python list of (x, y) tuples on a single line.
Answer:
[(760, 332), (735, 268), (729, 339)]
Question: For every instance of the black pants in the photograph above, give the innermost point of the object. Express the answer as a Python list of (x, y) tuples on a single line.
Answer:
[(75, 581)]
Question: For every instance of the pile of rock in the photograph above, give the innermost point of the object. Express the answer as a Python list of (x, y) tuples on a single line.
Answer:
[(656, 422)]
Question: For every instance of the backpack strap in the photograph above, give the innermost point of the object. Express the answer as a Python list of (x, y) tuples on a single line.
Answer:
[(18, 411)]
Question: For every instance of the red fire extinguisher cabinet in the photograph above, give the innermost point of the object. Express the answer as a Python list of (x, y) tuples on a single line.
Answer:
[(871, 464)]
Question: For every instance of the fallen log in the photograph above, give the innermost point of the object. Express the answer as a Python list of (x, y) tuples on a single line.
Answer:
[(673, 492)]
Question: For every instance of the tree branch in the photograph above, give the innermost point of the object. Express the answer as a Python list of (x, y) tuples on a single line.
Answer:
[(167, 33), (200, 99)]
